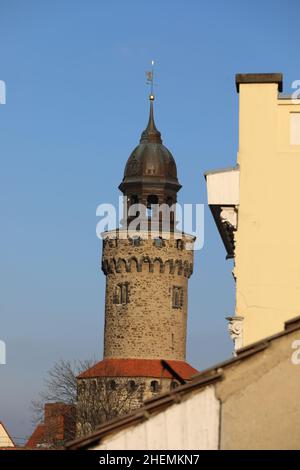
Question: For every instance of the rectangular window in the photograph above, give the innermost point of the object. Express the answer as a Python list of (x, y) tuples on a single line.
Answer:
[(121, 294), (295, 128), (177, 297)]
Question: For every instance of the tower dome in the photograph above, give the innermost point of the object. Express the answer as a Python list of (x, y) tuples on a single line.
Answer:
[(151, 168)]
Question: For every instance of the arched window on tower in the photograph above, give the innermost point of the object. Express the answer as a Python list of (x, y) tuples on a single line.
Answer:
[(93, 386), (158, 242), (136, 241), (154, 386), (152, 200), (174, 384), (134, 199), (170, 204), (132, 386), (112, 385), (179, 244)]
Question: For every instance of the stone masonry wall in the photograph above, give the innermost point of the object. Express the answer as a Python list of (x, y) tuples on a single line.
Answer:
[(147, 325), (99, 402)]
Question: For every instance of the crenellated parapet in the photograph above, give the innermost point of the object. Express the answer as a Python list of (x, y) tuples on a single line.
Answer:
[(134, 264), (140, 253)]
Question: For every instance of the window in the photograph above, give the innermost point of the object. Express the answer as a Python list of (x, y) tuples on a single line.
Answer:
[(132, 386), (173, 384), (121, 295), (158, 242), (112, 385), (93, 386), (134, 199), (154, 386), (152, 200), (179, 244), (112, 242), (295, 128), (177, 298), (136, 241)]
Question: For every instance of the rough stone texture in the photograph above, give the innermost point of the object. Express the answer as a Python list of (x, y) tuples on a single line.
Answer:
[(147, 326), (97, 403)]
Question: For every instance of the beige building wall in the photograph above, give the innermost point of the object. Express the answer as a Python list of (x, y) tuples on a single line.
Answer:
[(267, 252), (192, 424), (250, 402), (5, 439), (260, 399)]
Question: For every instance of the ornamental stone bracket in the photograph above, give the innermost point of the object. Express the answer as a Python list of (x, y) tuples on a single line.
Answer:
[(228, 216), (235, 328), (223, 200), (229, 221)]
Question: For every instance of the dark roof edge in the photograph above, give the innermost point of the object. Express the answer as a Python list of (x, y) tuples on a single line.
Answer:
[(242, 78), (222, 170)]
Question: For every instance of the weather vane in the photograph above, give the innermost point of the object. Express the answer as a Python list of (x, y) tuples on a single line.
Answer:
[(150, 80)]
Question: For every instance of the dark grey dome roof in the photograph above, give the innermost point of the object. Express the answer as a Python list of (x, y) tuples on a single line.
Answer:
[(151, 160)]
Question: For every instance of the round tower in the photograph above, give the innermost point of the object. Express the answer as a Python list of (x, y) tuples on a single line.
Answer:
[(146, 296), (147, 270)]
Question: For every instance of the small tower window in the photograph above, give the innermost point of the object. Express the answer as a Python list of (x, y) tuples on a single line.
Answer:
[(152, 200), (93, 386), (121, 295), (179, 244), (177, 298), (158, 242), (132, 386), (112, 243), (174, 384), (136, 241), (134, 199), (112, 385), (154, 386), (82, 386)]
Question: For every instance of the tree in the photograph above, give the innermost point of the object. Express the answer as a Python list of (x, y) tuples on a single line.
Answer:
[(97, 399), (103, 398), (60, 386)]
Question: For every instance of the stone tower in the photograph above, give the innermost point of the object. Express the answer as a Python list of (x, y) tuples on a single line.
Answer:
[(147, 270), (147, 274)]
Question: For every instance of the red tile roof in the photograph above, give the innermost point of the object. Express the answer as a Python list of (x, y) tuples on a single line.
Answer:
[(58, 425), (138, 368), (37, 436)]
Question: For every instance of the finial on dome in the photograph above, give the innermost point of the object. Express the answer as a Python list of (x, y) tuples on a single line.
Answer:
[(151, 134), (150, 80)]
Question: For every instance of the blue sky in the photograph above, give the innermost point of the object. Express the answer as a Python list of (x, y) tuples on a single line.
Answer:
[(76, 105)]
